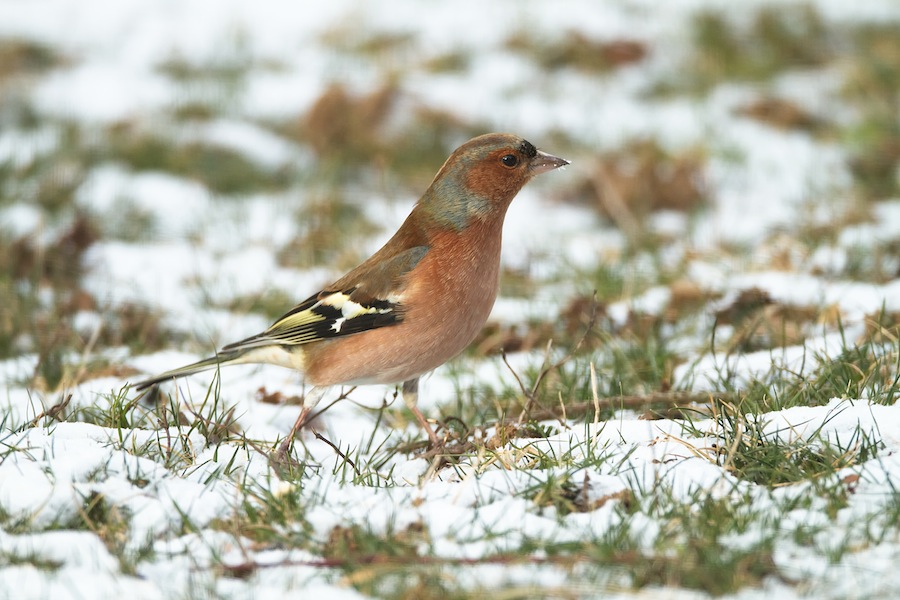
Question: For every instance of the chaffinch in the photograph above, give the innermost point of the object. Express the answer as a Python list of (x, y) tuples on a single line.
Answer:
[(414, 304)]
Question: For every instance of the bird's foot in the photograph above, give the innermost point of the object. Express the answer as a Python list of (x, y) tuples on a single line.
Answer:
[(284, 464), (282, 456)]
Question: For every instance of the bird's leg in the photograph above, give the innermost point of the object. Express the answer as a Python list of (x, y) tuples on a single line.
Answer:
[(410, 397), (309, 402), (285, 446)]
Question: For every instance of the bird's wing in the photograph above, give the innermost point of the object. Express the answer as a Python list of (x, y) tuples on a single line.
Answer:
[(364, 299)]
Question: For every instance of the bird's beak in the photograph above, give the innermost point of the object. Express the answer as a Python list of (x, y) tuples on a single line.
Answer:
[(544, 162)]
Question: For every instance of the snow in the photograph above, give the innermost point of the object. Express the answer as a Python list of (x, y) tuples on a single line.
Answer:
[(111, 190), (179, 492)]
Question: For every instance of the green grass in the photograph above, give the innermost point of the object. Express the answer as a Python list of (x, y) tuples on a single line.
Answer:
[(868, 369), (873, 77), (23, 57), (385, 137), (693, 546), (690, 549), (35, 560), (745, 448), (717, 540), (576, 50), (28, 322), (327, 218), (222, 170), (41, 292), (775, 40)]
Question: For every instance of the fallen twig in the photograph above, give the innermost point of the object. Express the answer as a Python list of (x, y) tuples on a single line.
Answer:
[(671, 400)]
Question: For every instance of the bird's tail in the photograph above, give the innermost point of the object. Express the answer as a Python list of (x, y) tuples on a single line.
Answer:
[(213, 362)]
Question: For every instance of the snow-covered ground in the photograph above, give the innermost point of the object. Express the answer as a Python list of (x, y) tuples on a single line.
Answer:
[(189, 506)]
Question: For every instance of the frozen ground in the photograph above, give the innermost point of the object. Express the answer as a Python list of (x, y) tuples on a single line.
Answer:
[(103, 507)]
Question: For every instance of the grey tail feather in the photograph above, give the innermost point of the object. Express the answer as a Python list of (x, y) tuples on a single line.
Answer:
[(206, 364)]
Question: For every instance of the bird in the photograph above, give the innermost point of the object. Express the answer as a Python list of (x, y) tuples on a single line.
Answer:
[(414, 304)]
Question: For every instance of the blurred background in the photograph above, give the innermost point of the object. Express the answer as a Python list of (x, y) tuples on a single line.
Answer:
[(688, 385), (166, 167)]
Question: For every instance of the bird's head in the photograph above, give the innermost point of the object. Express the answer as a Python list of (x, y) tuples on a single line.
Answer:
[(482, 177)]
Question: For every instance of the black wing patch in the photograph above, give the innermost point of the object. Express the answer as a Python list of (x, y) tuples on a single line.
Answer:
[(324, 316), (351, 308)]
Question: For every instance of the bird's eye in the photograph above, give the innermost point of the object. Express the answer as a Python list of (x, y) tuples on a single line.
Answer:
[(510, 160)]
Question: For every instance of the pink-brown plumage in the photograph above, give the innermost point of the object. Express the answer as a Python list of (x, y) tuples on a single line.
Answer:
[(447, 297), (419, 300)]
